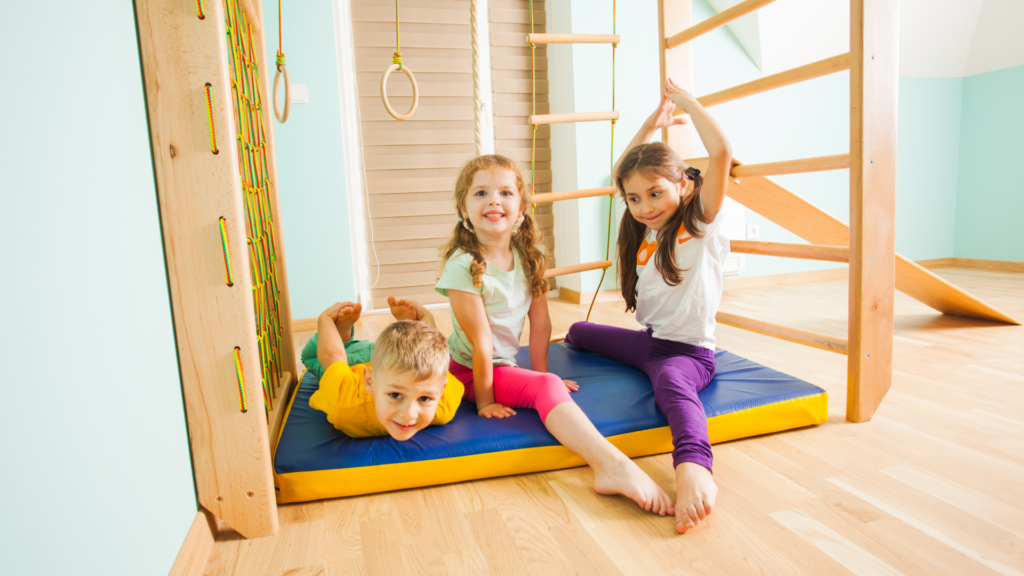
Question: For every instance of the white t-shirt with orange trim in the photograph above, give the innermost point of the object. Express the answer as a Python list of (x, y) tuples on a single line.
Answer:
[(685, 312)]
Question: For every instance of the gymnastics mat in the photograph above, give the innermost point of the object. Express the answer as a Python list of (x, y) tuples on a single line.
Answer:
[(314, 460)]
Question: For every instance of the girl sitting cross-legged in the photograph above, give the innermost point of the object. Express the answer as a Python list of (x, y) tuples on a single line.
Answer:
[(493, 273), (671, 248)]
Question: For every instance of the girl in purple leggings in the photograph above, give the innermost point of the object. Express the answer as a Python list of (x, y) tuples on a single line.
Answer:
[(671, 247)]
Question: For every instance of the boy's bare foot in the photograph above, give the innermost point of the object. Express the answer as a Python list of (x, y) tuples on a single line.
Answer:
[(348, 314), (696, 493), (626, 478), (405, 309)]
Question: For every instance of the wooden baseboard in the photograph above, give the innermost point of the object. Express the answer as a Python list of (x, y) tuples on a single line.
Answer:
[(195, 550), (974, 263), (304, 325), (586, 297)]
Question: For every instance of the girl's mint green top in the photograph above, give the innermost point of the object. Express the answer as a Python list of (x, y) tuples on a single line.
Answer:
[(506, 300)]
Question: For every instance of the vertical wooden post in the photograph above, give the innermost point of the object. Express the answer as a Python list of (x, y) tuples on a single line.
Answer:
[(874, 52), (674, 16), (198, 183)]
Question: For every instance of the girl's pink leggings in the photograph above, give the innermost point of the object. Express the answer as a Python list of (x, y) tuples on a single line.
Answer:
[(518, 388)]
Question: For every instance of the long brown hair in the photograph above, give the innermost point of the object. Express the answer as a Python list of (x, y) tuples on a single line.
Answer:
[(654, 160), (526, 241)]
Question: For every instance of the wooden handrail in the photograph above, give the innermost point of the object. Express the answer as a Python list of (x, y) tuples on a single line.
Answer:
[(575, 268), (808, 72), (720, 19), (803, 251), (572, 38), (573, 194), (799, 166), (805, 337), (573, 117)]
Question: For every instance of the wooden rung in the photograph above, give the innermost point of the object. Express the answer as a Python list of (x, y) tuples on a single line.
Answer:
[(812, 339), (572, 38), (816, 164), (572, 194), (720, 19), (808, 72), (573, 117), (560, 337), (803, 251), (576, 268)]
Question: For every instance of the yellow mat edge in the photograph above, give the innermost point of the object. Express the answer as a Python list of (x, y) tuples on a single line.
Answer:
[(320, 484)]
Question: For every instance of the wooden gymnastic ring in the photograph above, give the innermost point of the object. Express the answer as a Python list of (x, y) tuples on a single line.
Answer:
[(282, 118), (384, 92)]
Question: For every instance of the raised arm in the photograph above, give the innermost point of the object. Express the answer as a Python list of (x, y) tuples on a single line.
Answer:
[(330, 348), (660, 118), (471, 316), (716, 178)]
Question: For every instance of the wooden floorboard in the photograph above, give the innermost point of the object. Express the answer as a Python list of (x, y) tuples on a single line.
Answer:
[(934, 484)]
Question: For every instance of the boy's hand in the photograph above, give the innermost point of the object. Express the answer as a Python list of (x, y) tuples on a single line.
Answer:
[(334, 309), (572, 386), (662, 116), (496, 410)]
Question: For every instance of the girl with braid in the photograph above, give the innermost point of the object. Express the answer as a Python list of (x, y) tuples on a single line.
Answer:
[(671, 247), (493, 274)]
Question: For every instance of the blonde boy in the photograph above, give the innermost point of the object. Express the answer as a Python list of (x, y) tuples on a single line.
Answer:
[(405, 387)]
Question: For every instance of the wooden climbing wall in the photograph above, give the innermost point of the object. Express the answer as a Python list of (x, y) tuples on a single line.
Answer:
[(510, 69)]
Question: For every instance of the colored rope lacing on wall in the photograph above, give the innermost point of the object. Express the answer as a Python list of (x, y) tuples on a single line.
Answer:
[(259, 219)]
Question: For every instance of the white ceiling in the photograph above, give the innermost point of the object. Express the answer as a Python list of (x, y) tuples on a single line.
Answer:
[(938, 38)]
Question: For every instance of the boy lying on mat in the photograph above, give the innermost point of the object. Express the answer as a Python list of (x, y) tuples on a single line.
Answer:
[(404, 388)]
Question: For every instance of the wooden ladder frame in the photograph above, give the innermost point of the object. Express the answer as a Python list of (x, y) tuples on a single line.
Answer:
[(231, 449), (868, 243)]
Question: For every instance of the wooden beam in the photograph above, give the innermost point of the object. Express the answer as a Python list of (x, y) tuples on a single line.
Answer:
[(802, 251), (573, 117), (720, 19), (800, 74), (800, 166), (805, 337), (674, 16), (576, 268), (874, 77), (196, 187), (572, 194), (780, 205), (573, 39)]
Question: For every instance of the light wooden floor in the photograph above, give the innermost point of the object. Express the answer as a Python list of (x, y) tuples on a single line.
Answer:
[(934, 484)]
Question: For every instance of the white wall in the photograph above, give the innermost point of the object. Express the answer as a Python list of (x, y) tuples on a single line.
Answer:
[(96, 469)]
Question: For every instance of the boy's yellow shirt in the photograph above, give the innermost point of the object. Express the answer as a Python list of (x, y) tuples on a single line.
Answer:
[(351, 409)]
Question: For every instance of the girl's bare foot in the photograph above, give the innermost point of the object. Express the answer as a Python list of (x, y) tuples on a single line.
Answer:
[(626, 478), (403, 309), (696, 493), (348, 315)]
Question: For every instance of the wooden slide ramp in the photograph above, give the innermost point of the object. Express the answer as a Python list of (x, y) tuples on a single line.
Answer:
[(783, 207)]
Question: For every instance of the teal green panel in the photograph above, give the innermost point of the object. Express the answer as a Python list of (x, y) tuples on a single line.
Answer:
[(990, 192), (310, 162), (95, 447)]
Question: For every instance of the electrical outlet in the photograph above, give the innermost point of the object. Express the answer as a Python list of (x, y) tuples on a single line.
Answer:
[(299, 94), (753, 231)]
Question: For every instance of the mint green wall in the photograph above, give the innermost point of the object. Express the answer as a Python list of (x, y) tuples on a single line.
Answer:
[(95, 450), (927, 165), (636, 95), (990, 194), (310, 162)]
